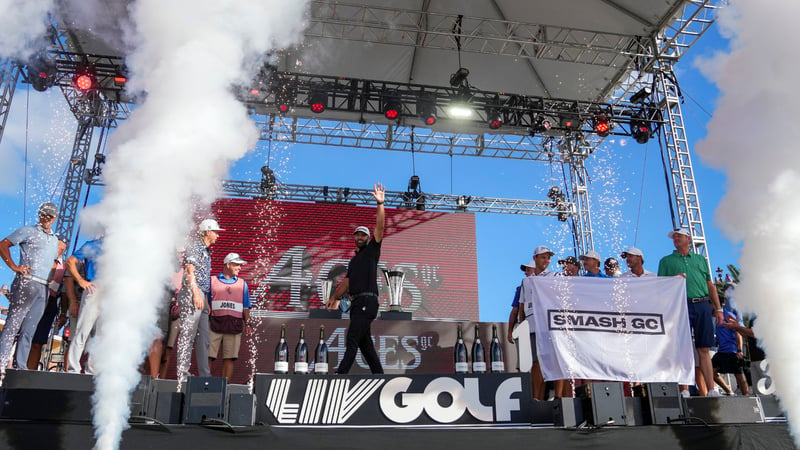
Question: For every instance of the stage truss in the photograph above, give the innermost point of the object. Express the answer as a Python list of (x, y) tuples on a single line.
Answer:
[(355, 117)]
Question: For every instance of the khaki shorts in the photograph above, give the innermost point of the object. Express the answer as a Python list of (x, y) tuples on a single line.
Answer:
[(174, 329), (230, 345)]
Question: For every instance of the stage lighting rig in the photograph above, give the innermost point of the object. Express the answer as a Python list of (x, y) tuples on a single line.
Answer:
[(459, 78), (426, 107), (558, 201), (570, 122), (286, 97), (640, 128), (540, 124), (602, 126), (85, 80), (493, 113), (268, 181), (392, 106), (462, 202), (461, 105), (41, 73), (642, 95), (318, 98)]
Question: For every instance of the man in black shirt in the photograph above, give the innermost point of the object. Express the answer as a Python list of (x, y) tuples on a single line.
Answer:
[(362, 284)]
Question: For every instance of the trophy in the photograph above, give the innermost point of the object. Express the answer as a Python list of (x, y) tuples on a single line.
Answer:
[(327, 285), (394, 280), (325, 294)]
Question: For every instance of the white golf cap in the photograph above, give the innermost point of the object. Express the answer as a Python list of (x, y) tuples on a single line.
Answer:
[(530, 265), (541, 250), (234, 258), (682, 231), (591, 254), (362, 229), (209, 225), (632, 251)]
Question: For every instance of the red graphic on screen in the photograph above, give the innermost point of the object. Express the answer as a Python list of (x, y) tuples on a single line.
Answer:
[(291, 248)]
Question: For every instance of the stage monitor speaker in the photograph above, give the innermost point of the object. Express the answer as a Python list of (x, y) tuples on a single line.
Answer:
[(167, 406), (724, 410), (607, 403), (241, 409), (664, 403), (140, 397), (542, 412), (35, 379), (205, 399), (164, 401), (46, 404), (567, 412)]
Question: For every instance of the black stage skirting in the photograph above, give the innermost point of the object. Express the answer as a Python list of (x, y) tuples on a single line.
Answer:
[(26, 435)]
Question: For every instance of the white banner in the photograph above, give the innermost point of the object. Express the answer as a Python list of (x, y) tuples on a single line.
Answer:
[(621, 329)]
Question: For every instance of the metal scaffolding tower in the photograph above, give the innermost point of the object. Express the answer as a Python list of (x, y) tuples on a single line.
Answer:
[(9, 74)]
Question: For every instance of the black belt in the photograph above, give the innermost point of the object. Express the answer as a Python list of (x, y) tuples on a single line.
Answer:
[(363, 294), (697, 299)]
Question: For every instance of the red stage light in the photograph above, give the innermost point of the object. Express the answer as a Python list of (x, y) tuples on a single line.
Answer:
[(495, 124), (391, 114), (254, 92), (84, 82), (317, 107), (430, 120), (602, 127), (284, 108)]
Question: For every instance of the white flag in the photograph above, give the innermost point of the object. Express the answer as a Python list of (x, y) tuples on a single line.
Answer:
[(619, 329)]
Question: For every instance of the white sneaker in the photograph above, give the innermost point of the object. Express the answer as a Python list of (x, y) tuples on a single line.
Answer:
[(685, 394), (713, 393)]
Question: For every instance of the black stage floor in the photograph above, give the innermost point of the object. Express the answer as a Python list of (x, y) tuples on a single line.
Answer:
[(31, 435)]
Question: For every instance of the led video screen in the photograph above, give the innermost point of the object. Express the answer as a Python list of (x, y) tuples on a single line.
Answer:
[(291, 248)]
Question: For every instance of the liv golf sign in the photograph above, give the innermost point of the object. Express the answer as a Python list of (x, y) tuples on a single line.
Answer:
[(330, 400)]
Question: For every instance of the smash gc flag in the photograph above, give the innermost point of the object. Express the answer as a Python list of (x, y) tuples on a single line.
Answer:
[(619, 329)]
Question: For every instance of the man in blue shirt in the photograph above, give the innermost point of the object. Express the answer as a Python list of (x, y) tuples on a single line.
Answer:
[(729, 357), (591, 263), (38, 247), (88, 254)]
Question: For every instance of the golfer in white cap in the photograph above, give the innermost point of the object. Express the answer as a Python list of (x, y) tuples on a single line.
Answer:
[(193, 299), (634, 258)]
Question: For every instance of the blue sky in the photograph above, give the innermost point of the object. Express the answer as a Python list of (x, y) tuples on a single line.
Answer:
[(624, 175)]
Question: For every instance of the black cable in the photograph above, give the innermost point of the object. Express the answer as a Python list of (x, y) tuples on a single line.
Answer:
[(661, 139), (457, 36)]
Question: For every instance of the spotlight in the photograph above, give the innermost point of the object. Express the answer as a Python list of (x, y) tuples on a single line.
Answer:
[(286, 96), (642, 95), (602, 126), (493, 113), (640, 130), (426, 107), (570, 122), (392, 107), (121, 77), (540, 124), (460, 106), (459, 78), (41, 73), (318, 99), (267, 181), (462, 202), (421, 203), (84, 80), (413, 183)]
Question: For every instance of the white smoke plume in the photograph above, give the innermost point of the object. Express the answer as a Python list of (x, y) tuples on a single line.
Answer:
[(22, 25), (173, 150), (754, 136)]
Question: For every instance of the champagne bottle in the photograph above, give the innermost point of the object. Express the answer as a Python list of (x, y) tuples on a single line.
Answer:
[(460, 353), (282, 353), (496, 353), (301, 353), (478, 355), (321, 353)]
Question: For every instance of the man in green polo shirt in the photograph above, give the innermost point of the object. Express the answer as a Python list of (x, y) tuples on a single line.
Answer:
[(699, 290)]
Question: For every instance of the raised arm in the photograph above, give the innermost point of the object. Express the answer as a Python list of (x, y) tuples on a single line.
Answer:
[(380, 215)]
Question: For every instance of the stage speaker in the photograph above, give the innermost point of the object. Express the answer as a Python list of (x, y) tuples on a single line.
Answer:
[(607, 405), (567, 412), (140, 396), (542, 412), (240, 408), (664, 405), (204, 399), (635, 408), (35, 379), (164, 402), (724, 409)]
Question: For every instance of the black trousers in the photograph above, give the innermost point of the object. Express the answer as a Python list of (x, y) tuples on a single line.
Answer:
[(363, 311)]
